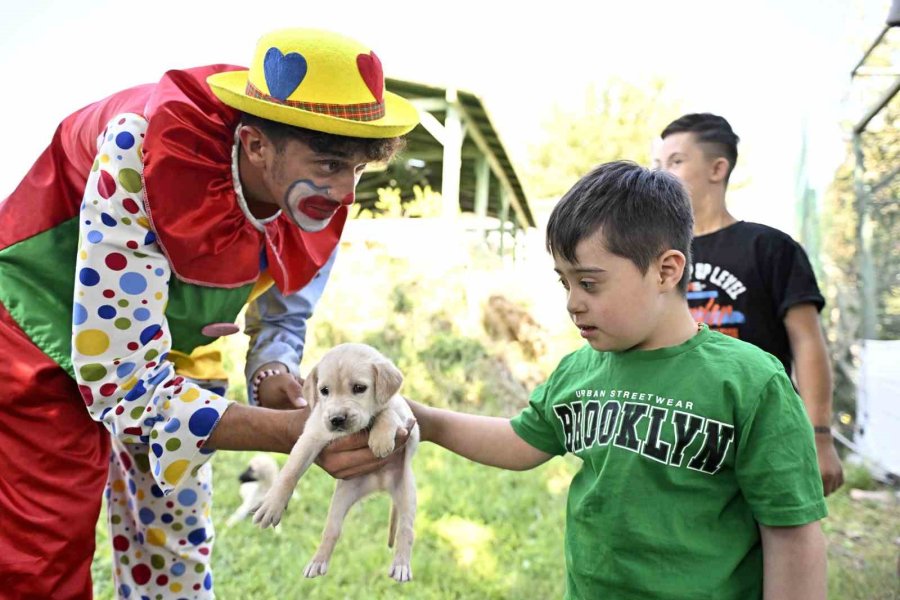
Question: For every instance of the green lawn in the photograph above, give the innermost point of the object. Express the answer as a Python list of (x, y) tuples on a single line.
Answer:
[(481, 533), (863, 549)]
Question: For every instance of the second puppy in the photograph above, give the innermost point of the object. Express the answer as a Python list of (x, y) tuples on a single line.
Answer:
[(353, 387), (255, 482)]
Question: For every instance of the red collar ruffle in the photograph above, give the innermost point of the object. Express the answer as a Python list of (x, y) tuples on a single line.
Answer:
[(191, 200)]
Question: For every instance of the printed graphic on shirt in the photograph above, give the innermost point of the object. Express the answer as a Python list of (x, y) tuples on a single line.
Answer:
[(655, 427), (712, 295)]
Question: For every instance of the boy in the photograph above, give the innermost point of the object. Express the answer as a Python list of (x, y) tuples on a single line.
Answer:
[(699, 477), (751, 281)]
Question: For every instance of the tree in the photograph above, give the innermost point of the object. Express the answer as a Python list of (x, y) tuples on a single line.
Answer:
[(841, 248), (619, 121)]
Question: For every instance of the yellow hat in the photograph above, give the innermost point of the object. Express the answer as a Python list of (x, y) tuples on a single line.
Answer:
[(317, 80)]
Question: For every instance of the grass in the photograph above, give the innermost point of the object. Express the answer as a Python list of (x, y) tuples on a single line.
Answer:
[(481, 533), (473, 524), (863, 546)]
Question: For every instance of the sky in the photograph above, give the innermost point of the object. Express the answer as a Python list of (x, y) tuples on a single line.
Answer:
[(774, 68)]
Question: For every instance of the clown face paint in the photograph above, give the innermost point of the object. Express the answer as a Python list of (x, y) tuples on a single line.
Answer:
[(311, 207)]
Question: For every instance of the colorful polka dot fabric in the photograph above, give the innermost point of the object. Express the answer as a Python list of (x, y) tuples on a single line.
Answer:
[(159, 484), (162, 544)]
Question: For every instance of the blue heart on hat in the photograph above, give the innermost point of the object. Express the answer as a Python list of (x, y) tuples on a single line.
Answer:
[(283, 72)]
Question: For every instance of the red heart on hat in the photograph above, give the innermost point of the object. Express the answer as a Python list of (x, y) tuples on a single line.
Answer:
[(370, 68)]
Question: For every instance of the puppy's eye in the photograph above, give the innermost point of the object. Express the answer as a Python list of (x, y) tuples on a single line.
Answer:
[(324, 390), (359, 388)]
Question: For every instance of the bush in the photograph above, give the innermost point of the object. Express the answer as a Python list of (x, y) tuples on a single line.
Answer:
[(858, 477)]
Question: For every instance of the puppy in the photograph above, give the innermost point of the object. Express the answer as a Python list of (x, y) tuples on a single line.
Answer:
[(256, 480), (353, 387)]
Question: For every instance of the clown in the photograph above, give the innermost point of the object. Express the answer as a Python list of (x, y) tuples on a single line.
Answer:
[(151, 220)]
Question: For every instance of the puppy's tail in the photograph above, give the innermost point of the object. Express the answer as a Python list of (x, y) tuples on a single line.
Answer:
[(392, 528)]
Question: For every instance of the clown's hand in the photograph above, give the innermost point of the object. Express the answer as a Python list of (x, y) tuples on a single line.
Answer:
[(281, 391)]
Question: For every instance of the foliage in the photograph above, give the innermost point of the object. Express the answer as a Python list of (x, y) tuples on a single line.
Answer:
[(424, 203), (858, 477), (617, 122), (862, 548), (841, 247), (482, 533)]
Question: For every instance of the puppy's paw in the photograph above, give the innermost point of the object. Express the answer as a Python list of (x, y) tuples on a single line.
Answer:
[(381, 445), (315, 568), (401, 572), (270, 511)]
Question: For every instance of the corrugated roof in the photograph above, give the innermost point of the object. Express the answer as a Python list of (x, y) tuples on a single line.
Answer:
[(427, 155)]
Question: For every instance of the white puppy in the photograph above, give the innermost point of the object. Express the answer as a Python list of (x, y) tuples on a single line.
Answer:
[(256, 480), (353, 387)]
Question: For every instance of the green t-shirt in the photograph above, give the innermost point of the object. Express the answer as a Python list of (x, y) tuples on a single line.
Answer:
[(685, 450)]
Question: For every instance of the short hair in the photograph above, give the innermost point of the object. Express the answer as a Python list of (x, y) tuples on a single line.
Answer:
[(374, 149), (642, 213), (713, 131)]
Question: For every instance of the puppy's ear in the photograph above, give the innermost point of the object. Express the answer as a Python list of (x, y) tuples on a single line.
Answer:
[(311, 387), (387, 380), (248, 475)]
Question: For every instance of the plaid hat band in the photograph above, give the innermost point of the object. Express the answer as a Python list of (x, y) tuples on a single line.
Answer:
[(367, 111)]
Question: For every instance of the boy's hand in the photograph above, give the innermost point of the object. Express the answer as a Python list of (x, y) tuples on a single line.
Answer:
[(351, 456), (829, 463), (281, 392)]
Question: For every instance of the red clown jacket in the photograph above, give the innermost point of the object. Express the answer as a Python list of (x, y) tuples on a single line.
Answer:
[(214, 252)]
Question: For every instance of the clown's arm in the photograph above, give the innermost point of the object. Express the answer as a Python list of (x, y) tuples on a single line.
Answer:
[(277, 326), (120, 337)]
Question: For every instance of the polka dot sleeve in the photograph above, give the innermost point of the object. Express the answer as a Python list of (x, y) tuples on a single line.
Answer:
[(120, 338)]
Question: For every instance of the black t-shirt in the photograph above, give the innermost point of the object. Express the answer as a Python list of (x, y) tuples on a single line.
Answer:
[(744, 279)]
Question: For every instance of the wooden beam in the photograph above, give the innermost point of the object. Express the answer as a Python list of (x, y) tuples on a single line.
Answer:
[(453, 141), (482, 189), (482, 186), (434, 152), (433, 126), (504, 216), (430, 104), (499, 172)]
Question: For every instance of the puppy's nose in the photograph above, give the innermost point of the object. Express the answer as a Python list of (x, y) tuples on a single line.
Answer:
[(337, 421)]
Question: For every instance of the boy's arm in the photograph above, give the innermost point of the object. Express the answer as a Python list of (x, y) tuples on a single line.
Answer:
[(488, 440), (794, 563), (814, 382)]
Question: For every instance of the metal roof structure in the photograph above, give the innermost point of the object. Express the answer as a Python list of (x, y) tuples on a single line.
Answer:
[(457, 151), (884, 43)]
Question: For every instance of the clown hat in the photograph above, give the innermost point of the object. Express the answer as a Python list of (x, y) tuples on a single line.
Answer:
[(317, 80)]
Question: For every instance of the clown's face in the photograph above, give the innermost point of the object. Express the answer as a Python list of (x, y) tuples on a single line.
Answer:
[(309, 186), (312, 186)]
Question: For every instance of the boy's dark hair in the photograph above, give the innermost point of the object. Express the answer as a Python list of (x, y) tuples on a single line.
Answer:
[(713, 131), (374, 149), (642, 214)]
